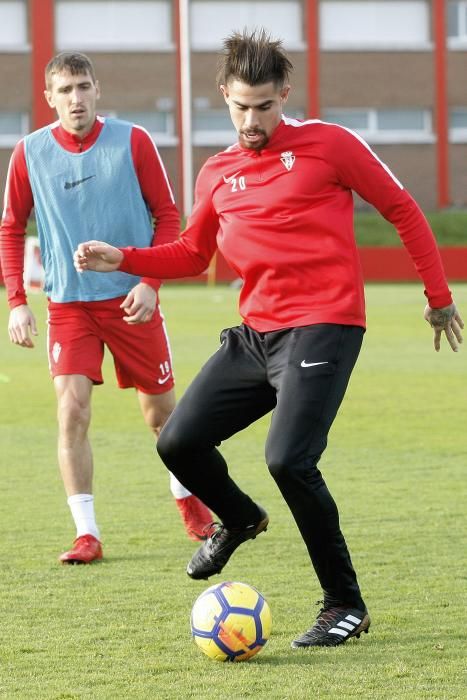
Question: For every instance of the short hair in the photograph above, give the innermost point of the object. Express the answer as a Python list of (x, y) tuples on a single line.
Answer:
[(71, 61), (253, 58)]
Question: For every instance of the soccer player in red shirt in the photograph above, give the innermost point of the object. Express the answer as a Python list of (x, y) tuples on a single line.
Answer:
[(278, 204), (80, 172)]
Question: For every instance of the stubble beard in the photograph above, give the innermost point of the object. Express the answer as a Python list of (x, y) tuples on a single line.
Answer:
[(253, 146)]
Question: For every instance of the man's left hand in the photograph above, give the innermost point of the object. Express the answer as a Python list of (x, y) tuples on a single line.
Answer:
[(447, 320), (139, 304)]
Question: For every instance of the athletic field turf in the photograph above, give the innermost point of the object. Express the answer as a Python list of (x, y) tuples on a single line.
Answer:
[(120, 629)]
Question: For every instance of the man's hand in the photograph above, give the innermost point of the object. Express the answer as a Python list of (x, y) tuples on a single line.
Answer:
[(448, 320), (21, 326), (139, 304), (97, 256)]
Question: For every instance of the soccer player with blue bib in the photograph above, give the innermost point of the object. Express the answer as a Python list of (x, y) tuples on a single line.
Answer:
[(83, 174), (278, 205)]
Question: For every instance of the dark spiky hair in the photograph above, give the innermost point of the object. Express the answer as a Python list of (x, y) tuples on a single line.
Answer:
[(253, 58), (70, 61)]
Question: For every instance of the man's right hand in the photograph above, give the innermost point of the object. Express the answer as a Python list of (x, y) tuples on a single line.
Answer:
[(21, 326)]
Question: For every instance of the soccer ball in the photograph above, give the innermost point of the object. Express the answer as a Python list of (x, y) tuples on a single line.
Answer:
[(231, 621)]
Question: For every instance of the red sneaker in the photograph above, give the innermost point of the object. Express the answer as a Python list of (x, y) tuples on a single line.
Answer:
[(85, 549), (196, 517)]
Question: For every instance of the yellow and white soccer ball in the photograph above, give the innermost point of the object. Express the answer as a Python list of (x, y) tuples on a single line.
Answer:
[(231, 621)]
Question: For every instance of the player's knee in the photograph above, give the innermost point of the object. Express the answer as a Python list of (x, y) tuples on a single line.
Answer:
[(278, 468), (73, 417), (280, 460), (173, 444), (156, 410), (157, 422), (161, 418), (285, 466)]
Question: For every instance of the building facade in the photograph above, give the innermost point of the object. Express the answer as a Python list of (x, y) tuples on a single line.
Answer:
[(393, 70)]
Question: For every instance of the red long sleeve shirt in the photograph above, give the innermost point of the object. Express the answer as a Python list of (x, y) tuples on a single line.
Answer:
[(283, 219), (18, 202)]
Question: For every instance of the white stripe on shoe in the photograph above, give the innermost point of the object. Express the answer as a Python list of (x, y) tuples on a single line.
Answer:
[(352, 618), (343, 628), (346, 625)]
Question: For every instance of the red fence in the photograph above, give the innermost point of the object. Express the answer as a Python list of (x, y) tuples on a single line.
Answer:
[(379, 265), (395, 265)]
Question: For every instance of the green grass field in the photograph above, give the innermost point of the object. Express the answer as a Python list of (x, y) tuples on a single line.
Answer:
[(120, 629), (449, 226)]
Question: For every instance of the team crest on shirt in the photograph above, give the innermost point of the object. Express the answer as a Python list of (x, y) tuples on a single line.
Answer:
[(288, 159), (56, 350)]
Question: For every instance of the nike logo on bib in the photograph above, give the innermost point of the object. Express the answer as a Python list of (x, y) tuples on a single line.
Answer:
[(69, 185), (312, 364)]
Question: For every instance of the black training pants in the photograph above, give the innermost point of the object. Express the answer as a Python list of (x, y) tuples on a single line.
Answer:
[(301, 374)]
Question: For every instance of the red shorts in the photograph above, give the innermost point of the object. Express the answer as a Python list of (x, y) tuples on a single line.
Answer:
[(78, 332)]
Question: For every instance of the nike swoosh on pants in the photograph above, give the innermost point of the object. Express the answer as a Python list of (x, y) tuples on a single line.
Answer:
[(312, 364)]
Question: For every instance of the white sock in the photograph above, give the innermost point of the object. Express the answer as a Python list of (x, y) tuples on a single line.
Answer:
[(82, 510), (178, 490)]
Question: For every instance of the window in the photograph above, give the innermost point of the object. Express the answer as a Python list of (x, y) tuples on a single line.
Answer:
[(213, 127), (13, 126), (356, 119), (159, 124), (411, 120), (376, 25), (458, 125), (385, 125), (13, 26), (213, 20), (114, 25), (457, 24)]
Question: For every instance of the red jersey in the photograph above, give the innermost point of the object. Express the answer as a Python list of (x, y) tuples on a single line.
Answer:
[(152, 177), (283, 219)]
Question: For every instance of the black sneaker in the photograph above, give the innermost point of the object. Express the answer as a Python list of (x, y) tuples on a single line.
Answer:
[(333, 626), (214, 554)]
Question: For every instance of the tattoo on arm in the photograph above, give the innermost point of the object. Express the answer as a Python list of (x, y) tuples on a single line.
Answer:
[(440, 317)]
